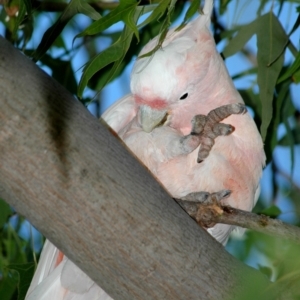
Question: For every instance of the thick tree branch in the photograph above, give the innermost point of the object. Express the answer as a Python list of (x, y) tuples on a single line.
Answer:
[(74, 180)]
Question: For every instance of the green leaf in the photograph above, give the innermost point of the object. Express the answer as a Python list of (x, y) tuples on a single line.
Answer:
[(292, 70), (55, 30), (289, 110), (252, 99), (286, 141), (245, 73), (271, 39), (25, 274), (144, 9), (5, 212), (265, 270), (62, 72), (157, 13), (124, 11), (111, 54), (194, 7), (114, 53), (242, 37), (282, 97), (296, 77), (84, 8), (164, 30), (272, 211)]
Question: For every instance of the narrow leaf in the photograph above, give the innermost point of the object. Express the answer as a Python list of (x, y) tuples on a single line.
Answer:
[(191, 11), (271, 139), (109, 55), (272, 211), (157, 13), (242, 37), (271, 39), (292, 70), (117, 64), (122, 12), (62, 71), (55, 30), (84, 8), (290, 138), (114, 54), (101, 60)]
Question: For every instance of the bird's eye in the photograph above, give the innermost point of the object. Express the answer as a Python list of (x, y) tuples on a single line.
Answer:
[(184, 96)]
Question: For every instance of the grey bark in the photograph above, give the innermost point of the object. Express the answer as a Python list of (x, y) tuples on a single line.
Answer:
[(72, 179)]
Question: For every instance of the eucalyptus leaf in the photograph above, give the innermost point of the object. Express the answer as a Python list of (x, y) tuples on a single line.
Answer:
[(271, 39), (291, 70), (112, 54), (296, 77), (252, 99), (194, 7), (272, 211), (86, 9), (242, 37), (55, 30), (157, 13), (62, 71), (283, 96), (124, 12), (104, 58)]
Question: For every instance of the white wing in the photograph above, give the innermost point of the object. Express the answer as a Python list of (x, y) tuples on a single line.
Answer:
[(120, 113)]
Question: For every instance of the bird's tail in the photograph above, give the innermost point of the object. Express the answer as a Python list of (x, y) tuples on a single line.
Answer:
[(46, 279)]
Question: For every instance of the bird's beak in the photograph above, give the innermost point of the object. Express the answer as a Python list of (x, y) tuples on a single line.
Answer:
[(150, 118)]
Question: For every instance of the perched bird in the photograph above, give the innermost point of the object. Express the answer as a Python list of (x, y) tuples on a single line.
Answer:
[(171, 122)]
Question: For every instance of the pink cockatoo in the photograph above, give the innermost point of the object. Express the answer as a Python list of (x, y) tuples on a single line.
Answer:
[(163, 122)]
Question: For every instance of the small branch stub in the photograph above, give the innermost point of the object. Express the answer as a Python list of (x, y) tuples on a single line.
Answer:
[(208, 214)]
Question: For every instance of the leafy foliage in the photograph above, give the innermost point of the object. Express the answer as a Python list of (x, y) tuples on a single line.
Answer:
[(16, 266), (79, 28)]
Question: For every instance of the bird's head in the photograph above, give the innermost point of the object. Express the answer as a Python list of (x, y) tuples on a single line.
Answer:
[(167, 81)]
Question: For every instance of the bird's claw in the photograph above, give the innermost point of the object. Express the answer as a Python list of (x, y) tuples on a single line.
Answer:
[(205, 197), (208, 127), (200, 205)]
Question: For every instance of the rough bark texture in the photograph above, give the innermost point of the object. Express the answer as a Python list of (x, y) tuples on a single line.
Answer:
[(74, 180)]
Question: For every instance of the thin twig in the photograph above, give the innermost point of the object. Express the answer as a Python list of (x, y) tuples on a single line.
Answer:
[(53, 6), (207, 215)]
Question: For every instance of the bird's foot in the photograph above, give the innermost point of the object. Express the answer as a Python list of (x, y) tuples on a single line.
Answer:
[(208, 127), (202, 205)]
